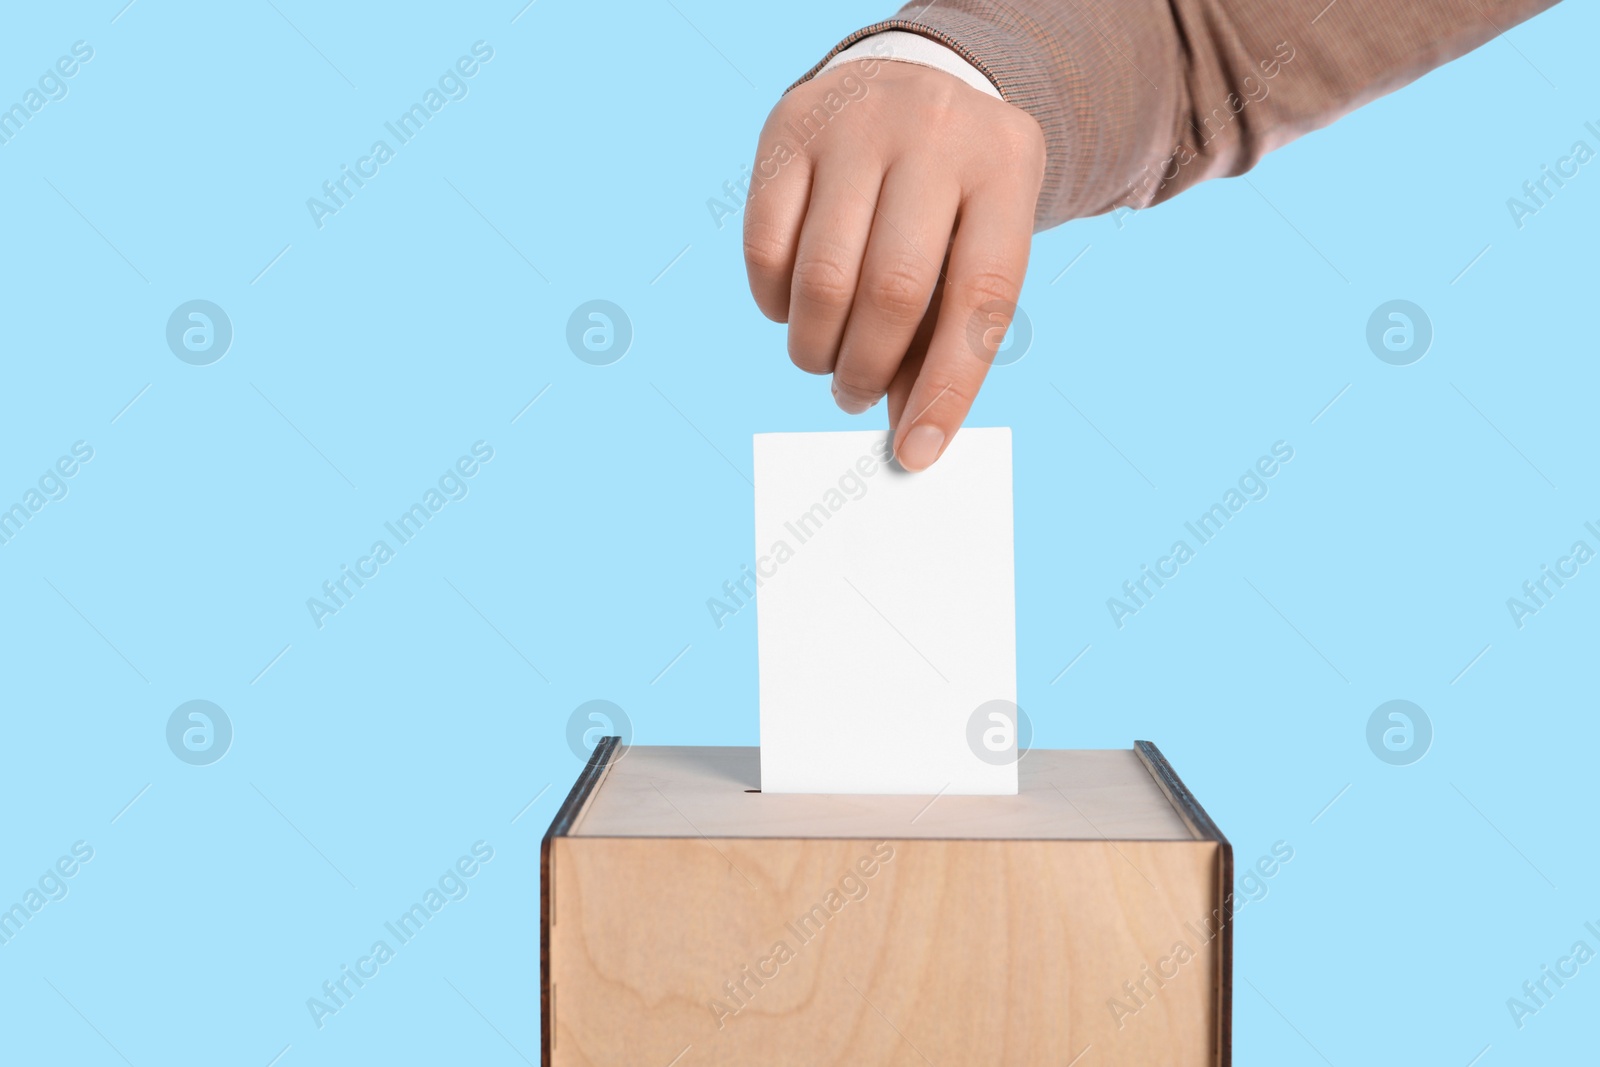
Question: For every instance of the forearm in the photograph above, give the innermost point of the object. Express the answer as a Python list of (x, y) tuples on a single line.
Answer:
[(1141, 99)]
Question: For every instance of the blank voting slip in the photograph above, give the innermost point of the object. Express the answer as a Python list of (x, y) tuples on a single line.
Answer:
[(886, 616)]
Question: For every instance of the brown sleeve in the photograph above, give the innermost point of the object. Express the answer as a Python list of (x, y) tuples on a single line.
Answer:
[(1140, 99)]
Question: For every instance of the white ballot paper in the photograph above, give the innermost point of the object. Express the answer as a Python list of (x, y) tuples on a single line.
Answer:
[(886, 616)]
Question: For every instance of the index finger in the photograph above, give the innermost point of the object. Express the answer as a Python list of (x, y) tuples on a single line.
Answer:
[(988, 259)]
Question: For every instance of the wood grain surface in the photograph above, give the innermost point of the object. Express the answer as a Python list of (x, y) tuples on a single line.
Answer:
[(948, 952)]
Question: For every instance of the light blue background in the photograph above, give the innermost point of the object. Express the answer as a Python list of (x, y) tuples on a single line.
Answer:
[(376, 350)]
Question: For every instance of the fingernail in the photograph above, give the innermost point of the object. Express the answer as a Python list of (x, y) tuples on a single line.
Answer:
[(921, 447)]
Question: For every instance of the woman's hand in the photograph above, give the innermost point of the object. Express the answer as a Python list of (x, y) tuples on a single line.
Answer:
[(888, 224)]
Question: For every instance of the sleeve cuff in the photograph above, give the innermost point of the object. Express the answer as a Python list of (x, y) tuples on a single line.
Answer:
[(914, 48)]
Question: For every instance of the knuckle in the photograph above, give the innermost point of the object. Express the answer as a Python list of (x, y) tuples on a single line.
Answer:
[(823, 283), (990, 285), (945, 403), (898, 293), (765, 251), (957, 396), (1021, 136), (1017, 148), (858, 382)]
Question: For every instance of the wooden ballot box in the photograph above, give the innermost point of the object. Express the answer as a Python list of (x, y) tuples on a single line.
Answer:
[(690, 919)]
